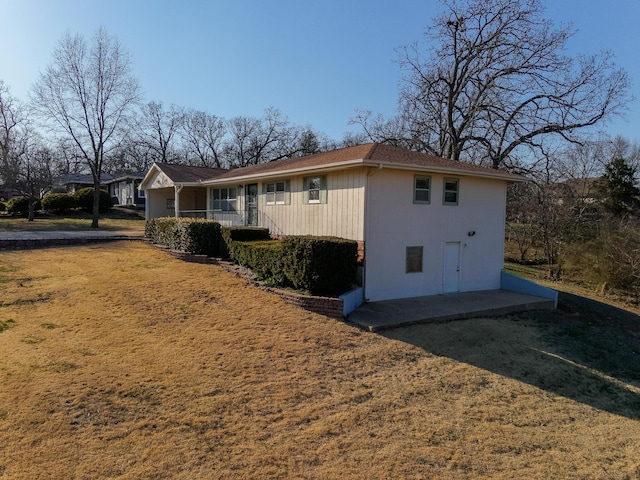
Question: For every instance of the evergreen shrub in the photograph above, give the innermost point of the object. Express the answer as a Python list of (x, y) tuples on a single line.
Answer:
[(192, 235), (18, 206), (84, 200), (320, 264), (58, 202)]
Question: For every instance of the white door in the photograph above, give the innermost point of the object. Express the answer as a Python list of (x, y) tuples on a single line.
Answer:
[(451, 267)]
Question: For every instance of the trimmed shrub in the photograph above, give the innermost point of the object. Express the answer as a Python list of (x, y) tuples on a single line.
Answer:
[(18, 206), (265, 258), (192, 235), (84, 200), (320, 264), (58, 202), (229, 235)]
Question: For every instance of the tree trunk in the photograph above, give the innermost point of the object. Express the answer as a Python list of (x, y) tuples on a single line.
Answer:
[(32, 209), (96, 203)]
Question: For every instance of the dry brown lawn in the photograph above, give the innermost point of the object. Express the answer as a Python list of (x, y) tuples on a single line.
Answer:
[(118, 361)]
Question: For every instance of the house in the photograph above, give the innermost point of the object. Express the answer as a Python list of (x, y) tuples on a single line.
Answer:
[(425, 225), (177, 190), (71, 182), (124, 189)]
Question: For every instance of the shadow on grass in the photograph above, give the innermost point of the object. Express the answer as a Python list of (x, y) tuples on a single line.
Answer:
[(586, 350)]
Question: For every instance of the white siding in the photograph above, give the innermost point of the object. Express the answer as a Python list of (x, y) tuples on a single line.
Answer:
[(341, 216), (394, 222)]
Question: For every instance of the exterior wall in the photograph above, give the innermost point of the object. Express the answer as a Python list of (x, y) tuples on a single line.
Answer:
[(126, 192), (156, 205), (394, 222), (341, 216), (192, 200)]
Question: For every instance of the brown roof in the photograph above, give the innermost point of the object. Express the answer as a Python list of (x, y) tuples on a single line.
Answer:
[(365, 155), (187, 173)]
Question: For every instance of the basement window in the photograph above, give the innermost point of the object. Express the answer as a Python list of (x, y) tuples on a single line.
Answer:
[(414, 259)]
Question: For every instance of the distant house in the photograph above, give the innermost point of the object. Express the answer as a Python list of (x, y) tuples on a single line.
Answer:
[(7, 193), (75, 181), (425, 225), (124, 189)]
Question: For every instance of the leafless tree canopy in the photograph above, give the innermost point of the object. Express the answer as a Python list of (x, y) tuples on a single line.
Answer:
[(13, 135), (86, 93), (494, 80)]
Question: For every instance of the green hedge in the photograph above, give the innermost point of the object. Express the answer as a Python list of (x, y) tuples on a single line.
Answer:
[(18, 205), (265, 258), (315, 264), (193, 235), (84, 200), (324, 265), (320, 264), (58, 202)]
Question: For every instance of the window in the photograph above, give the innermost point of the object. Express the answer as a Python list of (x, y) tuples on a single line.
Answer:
[(141, 193), (451, 187), (275, 192), (421, 189), (171, 204), (224, 199), (414, 259), (315, 189)]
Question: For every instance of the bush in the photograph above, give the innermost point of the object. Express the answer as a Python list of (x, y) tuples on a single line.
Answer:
[(315, 264), (229, 235), (192, 235), (58, 202), (320, 264), (18, 206), (84, 200), (265, 258)]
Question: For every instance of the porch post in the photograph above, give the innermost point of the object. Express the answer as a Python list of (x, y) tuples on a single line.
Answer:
[(178, 189)]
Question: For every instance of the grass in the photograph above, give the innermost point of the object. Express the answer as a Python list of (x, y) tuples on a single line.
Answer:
[(183, 371), (117, 219)]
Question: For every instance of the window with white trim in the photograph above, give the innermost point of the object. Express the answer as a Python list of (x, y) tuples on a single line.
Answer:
[(276, 193), (421, 189), (315, 189), (224, 199), (451, 191)]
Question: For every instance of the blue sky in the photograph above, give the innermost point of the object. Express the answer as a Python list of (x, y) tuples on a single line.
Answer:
[(315, 61)]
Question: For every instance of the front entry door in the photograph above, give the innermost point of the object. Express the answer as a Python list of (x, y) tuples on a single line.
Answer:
[(451, 267), (252, 204)]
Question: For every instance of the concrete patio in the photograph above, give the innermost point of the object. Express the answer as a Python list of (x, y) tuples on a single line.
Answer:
[(376, 316)]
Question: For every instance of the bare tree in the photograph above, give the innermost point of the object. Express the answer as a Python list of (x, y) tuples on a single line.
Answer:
[(252, 141), (87, 92), (13, 135), (495, 81), (203, 134), (157, 129), (34, 172)]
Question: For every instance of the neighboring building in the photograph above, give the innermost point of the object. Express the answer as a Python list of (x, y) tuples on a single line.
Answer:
[(75, 181), (426, 225), (124, 189), (7, 193)]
